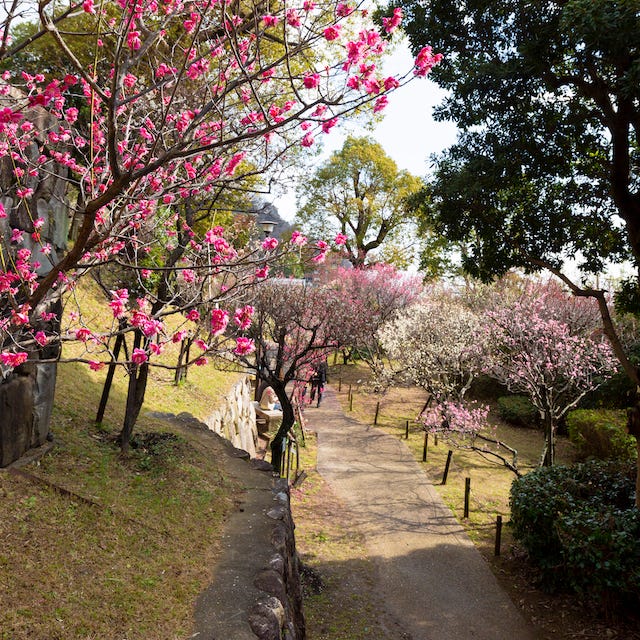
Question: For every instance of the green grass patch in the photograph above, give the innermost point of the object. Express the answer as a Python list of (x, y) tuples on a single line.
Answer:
[(95, 545)]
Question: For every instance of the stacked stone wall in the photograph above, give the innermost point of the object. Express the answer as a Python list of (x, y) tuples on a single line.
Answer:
[(235, 418)]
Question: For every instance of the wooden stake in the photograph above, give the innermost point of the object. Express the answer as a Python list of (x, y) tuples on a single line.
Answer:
[(446, 467), (425, 446), (498, 535), (467, 491), (375, 418), (406, 431)]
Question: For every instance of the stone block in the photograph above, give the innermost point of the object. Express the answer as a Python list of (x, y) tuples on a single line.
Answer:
[(16, 418)]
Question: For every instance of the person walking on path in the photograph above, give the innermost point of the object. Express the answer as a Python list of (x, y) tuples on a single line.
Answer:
[(318, 381), (430, 575)]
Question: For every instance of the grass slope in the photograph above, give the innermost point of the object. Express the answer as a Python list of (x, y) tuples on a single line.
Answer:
[(96, 546)]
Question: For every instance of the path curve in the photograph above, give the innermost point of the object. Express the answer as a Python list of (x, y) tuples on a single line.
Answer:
[(431, 576)]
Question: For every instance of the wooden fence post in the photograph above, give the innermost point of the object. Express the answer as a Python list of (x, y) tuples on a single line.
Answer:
[(446, 467), (467, 491), (498, 535), (425, 446)]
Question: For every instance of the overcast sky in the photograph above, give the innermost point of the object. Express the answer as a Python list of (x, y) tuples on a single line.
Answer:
[(408, 133)]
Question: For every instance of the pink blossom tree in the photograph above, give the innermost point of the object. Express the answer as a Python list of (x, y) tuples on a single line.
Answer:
[(368, 297), (546, 345), (294, 327), (178, 100)]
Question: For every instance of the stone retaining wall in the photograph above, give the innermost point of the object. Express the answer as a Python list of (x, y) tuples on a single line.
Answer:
[(235, 418), (278, 614)]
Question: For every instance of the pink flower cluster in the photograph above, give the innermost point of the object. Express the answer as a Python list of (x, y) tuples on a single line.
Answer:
[(244, 346), (219, 321), (13, 359), (242, 317), (425, 61), (456, 417)]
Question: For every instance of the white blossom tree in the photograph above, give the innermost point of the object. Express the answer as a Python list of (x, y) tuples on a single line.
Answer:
[(440, 344)]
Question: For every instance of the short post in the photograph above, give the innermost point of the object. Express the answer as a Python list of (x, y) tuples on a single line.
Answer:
[(498, 535), (186, 361), (375, 418), (446, 467), (339, 384), (406, 431), (435, 439), (350, 399), (425, 445), (467, 491)]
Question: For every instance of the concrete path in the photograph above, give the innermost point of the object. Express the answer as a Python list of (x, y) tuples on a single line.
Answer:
[(432, 577)]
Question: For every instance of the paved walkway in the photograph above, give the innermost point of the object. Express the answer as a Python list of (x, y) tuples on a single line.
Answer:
[(430, 574)]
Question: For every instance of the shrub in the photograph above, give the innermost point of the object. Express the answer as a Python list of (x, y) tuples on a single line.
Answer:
[(602, 554), (485, 387), (601, 434), (580, 527), (519, 411)]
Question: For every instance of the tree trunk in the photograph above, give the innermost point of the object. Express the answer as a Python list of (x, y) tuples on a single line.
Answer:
[(178, 375), (288, 418), (633, 427), (549, 440), (109, 379), (138, 376)]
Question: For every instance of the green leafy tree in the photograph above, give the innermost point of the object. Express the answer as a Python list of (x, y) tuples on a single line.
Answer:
[(361, 193)]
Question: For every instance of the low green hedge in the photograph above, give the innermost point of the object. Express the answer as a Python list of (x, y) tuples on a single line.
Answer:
[(601, 434), (518, 411), (580, 527)]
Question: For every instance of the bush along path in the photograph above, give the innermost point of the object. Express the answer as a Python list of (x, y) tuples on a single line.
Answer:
[(430, 576)]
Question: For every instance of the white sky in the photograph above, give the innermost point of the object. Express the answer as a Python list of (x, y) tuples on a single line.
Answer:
[(408, 133)]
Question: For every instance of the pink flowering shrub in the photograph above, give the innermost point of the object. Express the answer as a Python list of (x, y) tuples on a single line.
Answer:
[(454, 417)]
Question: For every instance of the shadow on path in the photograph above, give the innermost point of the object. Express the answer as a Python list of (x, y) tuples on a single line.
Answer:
[(430, 575)]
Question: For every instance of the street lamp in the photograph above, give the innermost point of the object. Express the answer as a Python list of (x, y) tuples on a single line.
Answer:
[(267, 226)]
